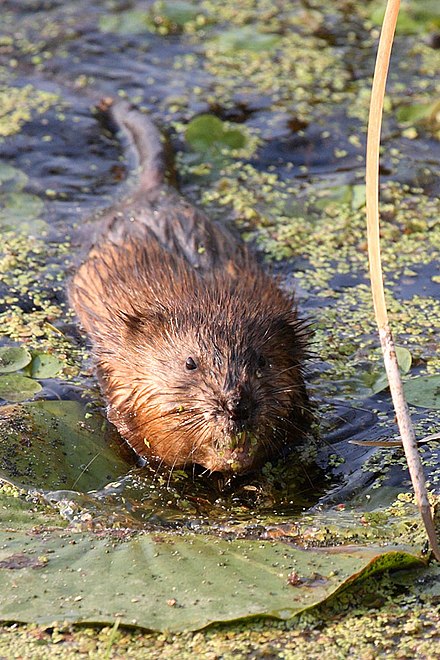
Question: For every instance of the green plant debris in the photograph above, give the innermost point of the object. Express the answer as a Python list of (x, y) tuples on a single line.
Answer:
[(19, 103), (206, 132), (29, 267)]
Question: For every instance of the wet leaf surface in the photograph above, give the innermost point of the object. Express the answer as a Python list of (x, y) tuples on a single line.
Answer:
[(423, 391), (55, 445), (404, 360), (128, 22), (45, 365), (13, 359), (247, 38), (15, 387), (164, 582), (18, 207)]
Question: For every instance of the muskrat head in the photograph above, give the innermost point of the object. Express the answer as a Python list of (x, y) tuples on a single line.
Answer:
[(214, 379)]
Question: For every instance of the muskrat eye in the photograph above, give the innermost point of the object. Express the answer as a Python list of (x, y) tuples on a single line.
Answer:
[(190, 364)]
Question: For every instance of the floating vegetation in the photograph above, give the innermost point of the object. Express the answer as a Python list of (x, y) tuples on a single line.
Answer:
[(33, 366)]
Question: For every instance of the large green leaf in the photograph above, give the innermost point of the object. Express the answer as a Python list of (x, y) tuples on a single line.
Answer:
[(167, 582), (51, 445)]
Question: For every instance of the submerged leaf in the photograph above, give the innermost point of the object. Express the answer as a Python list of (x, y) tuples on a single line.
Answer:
[(423, 391), (19, 206), (404, 360), (415, 17), (11, 178), (15, 387), (13, 358), (178, 13)]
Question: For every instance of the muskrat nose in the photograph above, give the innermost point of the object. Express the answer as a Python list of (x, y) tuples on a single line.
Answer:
[(239, 408)]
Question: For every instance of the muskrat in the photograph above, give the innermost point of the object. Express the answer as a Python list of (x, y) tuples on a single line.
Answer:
[(199, 353)]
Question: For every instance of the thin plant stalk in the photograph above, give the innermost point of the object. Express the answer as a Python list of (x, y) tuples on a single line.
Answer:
[(386, 339)]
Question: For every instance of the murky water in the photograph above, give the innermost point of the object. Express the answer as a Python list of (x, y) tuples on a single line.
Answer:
[(311, 139)]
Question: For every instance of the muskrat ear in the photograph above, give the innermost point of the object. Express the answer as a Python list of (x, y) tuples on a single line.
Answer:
[(137, 321)]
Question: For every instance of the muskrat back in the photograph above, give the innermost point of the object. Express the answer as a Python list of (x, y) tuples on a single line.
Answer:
[(199, 353)]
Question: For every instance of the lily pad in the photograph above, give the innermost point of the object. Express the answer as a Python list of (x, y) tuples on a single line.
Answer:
[(11, 178), (417, 111), (375, 380), (45, 365), (416, 16), (127, 22), (246, 38), (18, 206), (353, 195), (13, 358), (177, 13), (51, 445), (15, 387), (423, 391), (209, 132), (404, 360), (166, 582)]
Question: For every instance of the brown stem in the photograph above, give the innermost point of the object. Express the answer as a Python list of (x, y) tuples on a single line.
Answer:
[(386, 339)]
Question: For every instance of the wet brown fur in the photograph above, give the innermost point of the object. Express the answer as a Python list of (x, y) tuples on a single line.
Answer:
[(162, 285)]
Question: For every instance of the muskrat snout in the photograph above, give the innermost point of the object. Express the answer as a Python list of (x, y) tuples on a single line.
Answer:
[(239, 406)]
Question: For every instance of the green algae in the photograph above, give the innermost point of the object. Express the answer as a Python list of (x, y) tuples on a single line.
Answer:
[(19, 104)]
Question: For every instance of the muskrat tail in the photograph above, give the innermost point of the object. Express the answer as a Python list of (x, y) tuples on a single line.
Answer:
[(144, 140)]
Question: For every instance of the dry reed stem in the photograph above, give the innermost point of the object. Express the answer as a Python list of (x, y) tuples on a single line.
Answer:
[(389, 354)]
